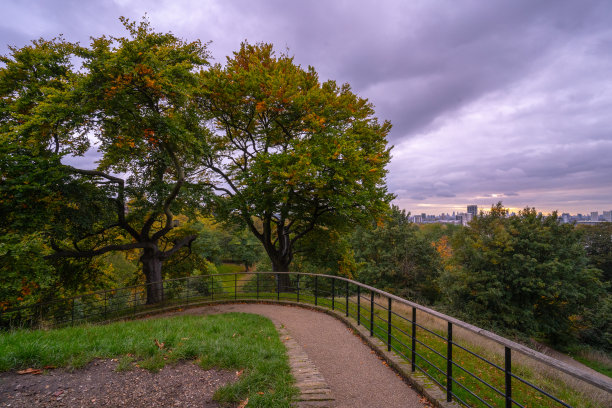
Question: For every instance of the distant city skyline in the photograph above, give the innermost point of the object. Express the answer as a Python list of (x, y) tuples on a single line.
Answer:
[(490, 101), (471, 211), (432, 209)]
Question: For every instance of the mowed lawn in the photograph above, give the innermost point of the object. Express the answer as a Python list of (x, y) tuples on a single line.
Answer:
[(233, 341)]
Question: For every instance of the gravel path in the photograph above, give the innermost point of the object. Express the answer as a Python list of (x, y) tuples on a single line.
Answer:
[(99, 385), (356, 376)]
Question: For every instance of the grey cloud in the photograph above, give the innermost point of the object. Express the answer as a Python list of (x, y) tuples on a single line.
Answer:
[(445, 75)]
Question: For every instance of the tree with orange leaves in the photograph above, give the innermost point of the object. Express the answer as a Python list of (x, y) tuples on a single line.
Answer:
[(132, 100), (292, 152)]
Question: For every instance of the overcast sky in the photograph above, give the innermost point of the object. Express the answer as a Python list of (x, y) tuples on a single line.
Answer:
[(489, 100)]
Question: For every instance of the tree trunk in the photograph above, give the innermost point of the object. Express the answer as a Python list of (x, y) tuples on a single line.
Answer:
[(152, 268), (282, 265)]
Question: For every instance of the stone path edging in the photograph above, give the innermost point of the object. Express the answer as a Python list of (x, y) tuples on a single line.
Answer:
[(314, 390)]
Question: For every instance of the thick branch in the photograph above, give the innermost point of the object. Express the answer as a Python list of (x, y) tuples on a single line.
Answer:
[(173, 194), (178, 245), (313, 221), (120, 201), (62, 253)]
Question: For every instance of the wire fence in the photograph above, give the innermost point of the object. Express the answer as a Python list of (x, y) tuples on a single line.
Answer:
[(474, 367)]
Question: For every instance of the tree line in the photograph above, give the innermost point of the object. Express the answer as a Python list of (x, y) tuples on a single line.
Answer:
[(523, 275)]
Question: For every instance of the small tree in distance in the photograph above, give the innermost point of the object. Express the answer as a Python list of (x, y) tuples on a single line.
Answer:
[(291, 154)]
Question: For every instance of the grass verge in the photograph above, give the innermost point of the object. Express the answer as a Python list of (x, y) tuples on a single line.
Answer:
[(233, 341)]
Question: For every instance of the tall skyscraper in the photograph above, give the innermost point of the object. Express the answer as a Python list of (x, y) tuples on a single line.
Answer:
[(607, 216), (472, 209), (594, 216)]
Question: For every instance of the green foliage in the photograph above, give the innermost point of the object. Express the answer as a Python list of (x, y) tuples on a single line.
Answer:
[(523, 273), (243, 247), (595, 326), (290, 152), (24, 272), (598, 243), (393, 256)]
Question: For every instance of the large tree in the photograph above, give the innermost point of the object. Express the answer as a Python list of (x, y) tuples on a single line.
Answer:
[(131, 99), (291, 154)]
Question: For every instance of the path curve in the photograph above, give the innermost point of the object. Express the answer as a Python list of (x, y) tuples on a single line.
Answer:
[(356, 376)]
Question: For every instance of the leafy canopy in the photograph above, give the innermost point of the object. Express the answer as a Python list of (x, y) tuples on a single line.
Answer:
[(290, 151), (525, 273)]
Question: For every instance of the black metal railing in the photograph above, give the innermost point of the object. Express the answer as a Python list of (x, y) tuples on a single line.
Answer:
[(458, 363)]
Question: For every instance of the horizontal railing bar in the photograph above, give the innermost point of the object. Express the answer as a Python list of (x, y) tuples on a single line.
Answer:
[(430, 363), (479, 356), (407, 347), (478, 378), (431, 331), (471, 393), (401, 331), (383, 307), (540, 390), (401, 317), (423, 344), (430, 376), (400, 353)]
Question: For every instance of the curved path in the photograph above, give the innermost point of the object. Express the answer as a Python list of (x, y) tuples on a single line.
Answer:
[(356, 376)]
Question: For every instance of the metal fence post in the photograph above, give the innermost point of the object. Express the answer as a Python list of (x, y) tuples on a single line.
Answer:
[(508, 371), (347, 300), (358, 305), (413, 348), (389, 327), (277, 287), (235, 286), (72, 312), (105, 312), (257, 279), (449, 363), (333, 293), (316, 289), (298, 288), (371, 313), (212, 288)]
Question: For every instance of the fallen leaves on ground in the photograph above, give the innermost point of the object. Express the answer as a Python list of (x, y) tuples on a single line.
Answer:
[(158, 344), (243, 403), (30, 371)]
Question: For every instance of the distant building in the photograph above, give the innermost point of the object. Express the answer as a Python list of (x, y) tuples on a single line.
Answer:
[(472, 209), (594, 216), (465, 218), (565, 218), (607, 216)]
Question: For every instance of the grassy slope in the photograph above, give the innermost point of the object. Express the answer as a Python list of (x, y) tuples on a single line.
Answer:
[(231, 341)]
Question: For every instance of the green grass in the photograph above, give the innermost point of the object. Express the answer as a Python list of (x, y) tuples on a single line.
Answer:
[(599, 366), (233, 341), (230, 282), (230, 268)]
